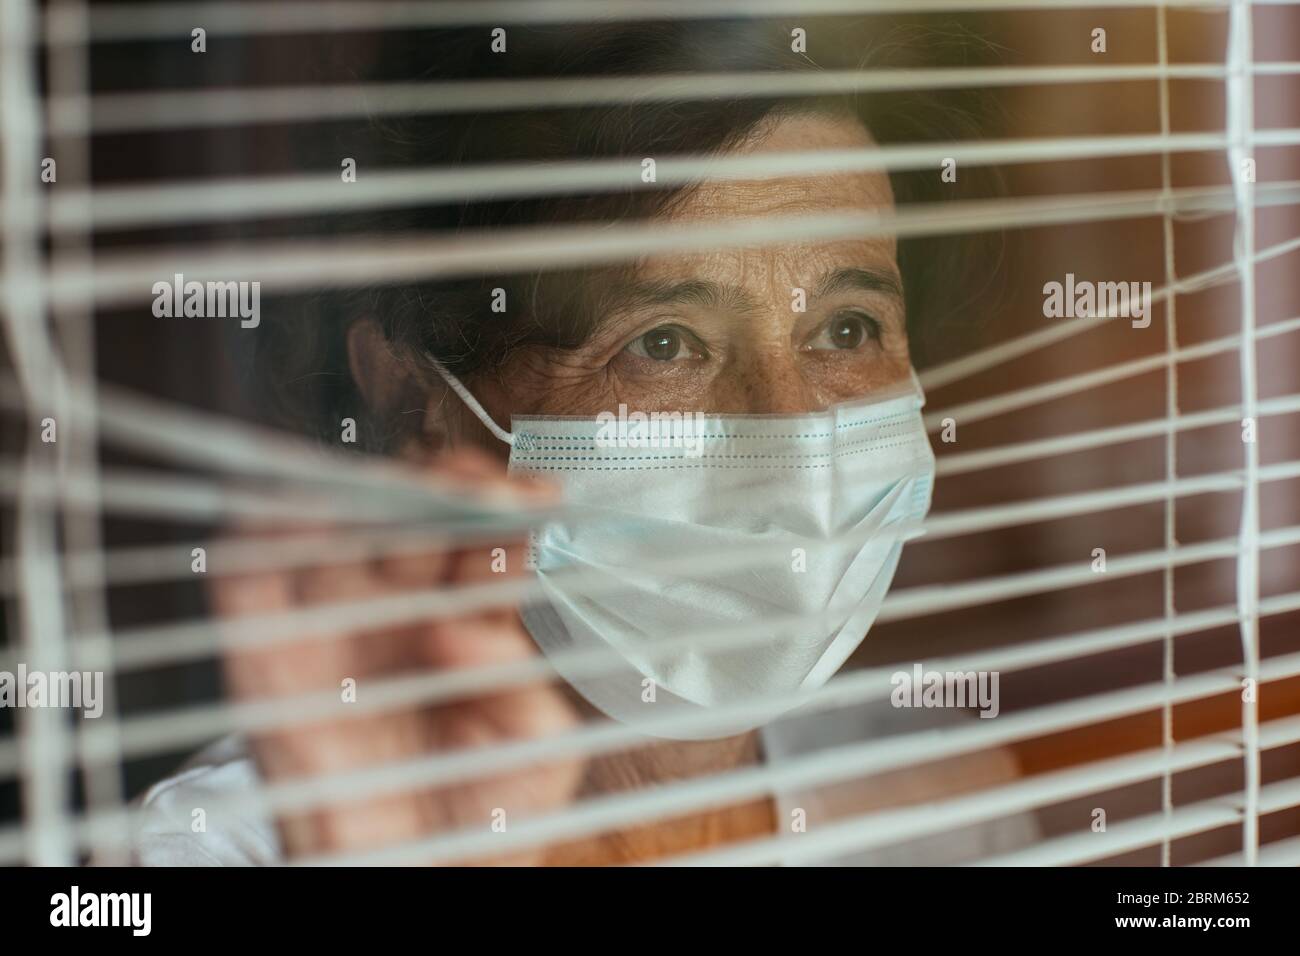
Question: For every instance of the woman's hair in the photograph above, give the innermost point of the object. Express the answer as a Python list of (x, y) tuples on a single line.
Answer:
[(299, 369)]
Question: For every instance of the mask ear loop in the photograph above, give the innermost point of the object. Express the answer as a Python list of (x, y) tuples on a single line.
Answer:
[(916, 384), (472, 403)]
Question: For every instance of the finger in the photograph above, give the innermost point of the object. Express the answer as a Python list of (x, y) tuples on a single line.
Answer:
[(481, 473), (475, 472), (306, 661)]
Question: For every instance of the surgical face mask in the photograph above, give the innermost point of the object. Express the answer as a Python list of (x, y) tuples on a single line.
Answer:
[(716, 567)]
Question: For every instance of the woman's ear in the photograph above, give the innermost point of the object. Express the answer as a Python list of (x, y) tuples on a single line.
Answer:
[(394, 393)]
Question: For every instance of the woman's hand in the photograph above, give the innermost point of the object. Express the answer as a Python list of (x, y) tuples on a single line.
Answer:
[(322, 661)]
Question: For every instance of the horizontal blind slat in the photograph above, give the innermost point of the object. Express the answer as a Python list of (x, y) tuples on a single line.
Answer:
[(121, 279), (1129, 835), (134, 21), (902, 750), (242, 106), (208, 200)]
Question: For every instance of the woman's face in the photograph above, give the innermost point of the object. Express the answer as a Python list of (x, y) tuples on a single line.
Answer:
[(718, 332)]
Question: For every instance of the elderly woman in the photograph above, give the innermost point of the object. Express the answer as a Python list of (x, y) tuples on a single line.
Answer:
[(793, 467)]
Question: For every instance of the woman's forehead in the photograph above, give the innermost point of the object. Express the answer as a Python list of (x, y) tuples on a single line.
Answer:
[(790, 195), (804, 263)]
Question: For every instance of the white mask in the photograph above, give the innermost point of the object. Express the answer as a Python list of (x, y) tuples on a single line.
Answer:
[(807, 515)]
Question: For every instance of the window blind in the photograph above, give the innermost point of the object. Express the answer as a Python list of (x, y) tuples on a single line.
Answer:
[(58, 300)]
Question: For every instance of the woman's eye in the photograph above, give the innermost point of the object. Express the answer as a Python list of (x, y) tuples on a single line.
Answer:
[(665, 344), (846, 331)]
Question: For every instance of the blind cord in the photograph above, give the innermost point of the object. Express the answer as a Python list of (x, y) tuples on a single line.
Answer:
[(1240, 120), (1171, 436)]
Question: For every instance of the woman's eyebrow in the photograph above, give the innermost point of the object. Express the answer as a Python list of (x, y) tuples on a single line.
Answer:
[(631, 296), (869, 280)]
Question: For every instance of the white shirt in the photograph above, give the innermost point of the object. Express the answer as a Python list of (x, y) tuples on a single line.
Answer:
[(249, 837)]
